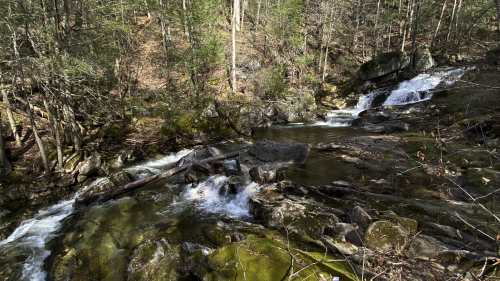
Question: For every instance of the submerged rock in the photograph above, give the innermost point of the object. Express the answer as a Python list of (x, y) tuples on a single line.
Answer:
[(154, 260), (270, 155)]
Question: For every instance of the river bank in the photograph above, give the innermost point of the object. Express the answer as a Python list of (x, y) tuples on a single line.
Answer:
[(415, 180)]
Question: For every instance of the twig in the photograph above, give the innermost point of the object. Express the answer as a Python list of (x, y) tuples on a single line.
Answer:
[(473, 199), (475, 228), (479, 84)]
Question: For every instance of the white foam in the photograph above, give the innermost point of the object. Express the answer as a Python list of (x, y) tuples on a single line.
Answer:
[(208, 198), (158, 165)]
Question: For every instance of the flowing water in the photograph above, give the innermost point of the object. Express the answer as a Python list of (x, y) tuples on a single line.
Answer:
[(113, 229)]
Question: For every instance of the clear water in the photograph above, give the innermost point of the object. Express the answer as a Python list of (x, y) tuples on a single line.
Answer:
[(113, 229)]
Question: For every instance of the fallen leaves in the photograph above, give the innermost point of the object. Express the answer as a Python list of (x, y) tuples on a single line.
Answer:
[(485, 181)]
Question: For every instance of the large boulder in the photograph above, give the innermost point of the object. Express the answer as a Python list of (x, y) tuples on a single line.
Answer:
[(270, 155), (302, 217), (423, 59), (154, 260), (91, 165), (261, 259), (383, 235), (383, 64)]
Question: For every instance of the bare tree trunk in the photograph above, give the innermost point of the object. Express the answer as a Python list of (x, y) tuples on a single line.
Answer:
[(405, 26), (56, 134), (237, 16), (358, 19), (5, 166), (451, 20), (497, 4), (413, 45), (48, 173), (71, 128), (258, 16), (233, 26), (184, 17), (10, 116), (439, 23), (243, 6)]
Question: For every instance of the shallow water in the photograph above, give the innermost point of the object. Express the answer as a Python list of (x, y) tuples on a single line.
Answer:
[(113, 229)]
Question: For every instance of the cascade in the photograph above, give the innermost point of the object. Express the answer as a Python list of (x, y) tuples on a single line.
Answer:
[(406, 92), (30, 237)]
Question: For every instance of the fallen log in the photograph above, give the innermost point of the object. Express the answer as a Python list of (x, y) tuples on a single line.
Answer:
[(112, 193)]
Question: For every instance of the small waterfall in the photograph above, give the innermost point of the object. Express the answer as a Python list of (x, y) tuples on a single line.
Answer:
[(406, 92), (30, 237)]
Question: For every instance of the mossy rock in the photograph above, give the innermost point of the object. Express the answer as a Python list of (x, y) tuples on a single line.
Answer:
[(383, 235), (263, 259), (383, 64), (71, 163), (409, 225)]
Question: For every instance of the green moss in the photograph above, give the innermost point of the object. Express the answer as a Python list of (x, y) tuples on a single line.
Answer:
[(387, 152), (382, 235), (183, 123), (72, 163), (53, 156), (263, 259)]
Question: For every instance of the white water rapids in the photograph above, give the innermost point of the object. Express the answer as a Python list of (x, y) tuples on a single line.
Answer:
[(32, 235), (406, 92)]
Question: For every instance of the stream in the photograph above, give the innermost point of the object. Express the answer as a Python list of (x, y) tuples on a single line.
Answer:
[(118, 226)]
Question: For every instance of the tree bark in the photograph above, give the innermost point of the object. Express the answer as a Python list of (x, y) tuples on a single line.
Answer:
[(10, 116), (413, 45), (358, 19), (439, 23), (110, 194), (233, 26), (237, 16), (497, 4), (43, 154), (5, 166)]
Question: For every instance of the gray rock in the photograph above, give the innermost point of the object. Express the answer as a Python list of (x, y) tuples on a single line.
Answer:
[(13, 194), (423, 59), (350, 159), (197, 172), (270, 155), (81, 178), (66, 180), (304, 218), (360, 216), (339, 246), (36, 188), (91, 166), (257, 175), (383, 64), (340, 183), (122, 157), (210, 111), (427, 247), (238, 183), (165, 196), (148, 253), (340, 230), (121, 178), (383, 235)]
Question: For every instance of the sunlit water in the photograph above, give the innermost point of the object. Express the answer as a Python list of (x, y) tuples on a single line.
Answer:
[(406, 92), (134, 217)]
